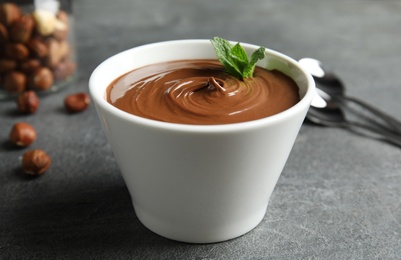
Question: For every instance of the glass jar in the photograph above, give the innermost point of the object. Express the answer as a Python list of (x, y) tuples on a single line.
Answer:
[(37, 49)]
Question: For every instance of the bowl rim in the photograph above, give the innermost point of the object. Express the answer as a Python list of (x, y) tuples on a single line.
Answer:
[(101, 103)]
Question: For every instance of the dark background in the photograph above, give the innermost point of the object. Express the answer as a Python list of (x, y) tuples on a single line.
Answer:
[(337, 198)]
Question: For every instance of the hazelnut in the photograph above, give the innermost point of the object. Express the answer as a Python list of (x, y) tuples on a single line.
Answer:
[(61, 26), (9, 13), (64, 49), (3, 34), (37, 48), (64, 69), (29, 66), (54, 54), (61, 31), (45, 22), (62, 16), (41, 79), (15, 81), (21, 30), (35, 162), (7, 65), (16, 51), (28, 102), (77, 102), (22, 134)]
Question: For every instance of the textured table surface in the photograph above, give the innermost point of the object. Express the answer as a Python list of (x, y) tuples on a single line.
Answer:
[(339, 196)]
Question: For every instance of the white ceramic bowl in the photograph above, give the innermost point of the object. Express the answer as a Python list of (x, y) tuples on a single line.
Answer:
[(195, 183)]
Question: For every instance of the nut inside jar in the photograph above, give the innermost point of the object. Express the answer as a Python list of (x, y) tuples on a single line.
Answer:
[(36, 46)]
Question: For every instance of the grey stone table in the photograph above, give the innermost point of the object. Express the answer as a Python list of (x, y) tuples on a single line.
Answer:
[(339, 196)]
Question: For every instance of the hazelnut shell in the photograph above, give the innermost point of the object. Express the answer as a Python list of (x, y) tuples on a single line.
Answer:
[(35, 162), (22, 134)]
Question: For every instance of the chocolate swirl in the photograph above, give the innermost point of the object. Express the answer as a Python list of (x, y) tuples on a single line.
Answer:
[(201, 92)]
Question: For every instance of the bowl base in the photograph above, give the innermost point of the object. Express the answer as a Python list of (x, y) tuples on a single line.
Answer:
[(200, 232)]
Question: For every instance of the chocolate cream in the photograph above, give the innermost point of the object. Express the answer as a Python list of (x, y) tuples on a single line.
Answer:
[(201, 92)]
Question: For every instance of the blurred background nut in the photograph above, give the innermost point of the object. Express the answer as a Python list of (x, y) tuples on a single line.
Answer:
[(45, 22), (22, 134), (62, 16), (61, 26), (3, 34), (7, 65), (64, 69), (29, 66), (21, 30), (28, 102), (35, 162), (14, 82), (9, 13), (56, 52), (64, 49), (41, 79), (37, 47), (53, 53), (16, 51)]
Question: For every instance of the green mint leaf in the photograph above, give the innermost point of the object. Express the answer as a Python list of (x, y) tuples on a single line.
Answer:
[(259, 54), (223, 51), (235, 59), (239, 57)]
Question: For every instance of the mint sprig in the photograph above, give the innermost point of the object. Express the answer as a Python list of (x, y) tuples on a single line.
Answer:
[(235, 59)]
